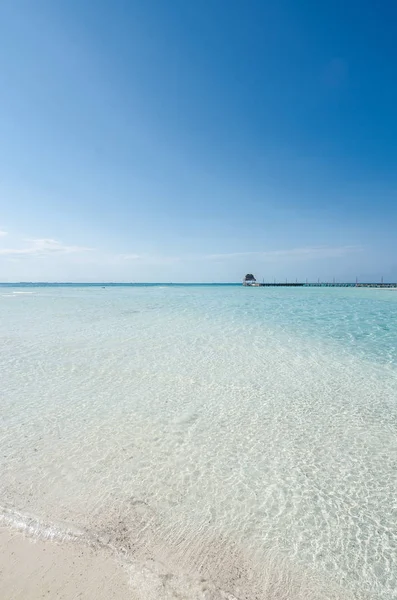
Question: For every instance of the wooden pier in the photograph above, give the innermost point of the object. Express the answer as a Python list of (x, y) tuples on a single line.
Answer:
[(335, 285), (250, 281)]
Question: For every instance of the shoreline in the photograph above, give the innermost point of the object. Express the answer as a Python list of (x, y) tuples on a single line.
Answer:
[(32, 569)]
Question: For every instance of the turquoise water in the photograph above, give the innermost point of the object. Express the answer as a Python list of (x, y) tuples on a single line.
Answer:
[(227, 442)]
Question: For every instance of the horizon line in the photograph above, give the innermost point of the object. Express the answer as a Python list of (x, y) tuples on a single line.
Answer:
[(268, 283)]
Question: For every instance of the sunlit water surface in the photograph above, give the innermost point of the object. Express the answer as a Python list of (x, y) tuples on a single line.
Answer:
[(206, 432)]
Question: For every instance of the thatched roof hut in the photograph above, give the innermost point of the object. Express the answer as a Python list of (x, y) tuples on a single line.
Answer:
[(249, 279)]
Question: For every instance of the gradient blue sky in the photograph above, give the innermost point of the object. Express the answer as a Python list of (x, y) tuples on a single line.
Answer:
[(167, 140)]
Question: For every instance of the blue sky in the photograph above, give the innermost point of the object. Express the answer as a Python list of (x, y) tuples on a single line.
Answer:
[(157, 140)]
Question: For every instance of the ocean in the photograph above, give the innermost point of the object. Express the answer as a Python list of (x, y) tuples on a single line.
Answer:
[(223, 442)]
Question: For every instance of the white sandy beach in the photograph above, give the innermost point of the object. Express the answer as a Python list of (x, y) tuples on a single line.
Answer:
[(35, 569)]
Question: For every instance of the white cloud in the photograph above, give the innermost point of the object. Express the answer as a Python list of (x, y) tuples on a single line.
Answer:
[(42, 247), (3, 233)]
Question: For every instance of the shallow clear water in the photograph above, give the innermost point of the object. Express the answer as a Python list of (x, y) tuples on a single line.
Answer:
[(209, 433)]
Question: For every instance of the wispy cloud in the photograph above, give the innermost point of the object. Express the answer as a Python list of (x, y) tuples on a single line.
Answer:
[(129, 256), (228, 255), (148, 259), (3, 233), (294, 253), (306, 253), (41, 248)]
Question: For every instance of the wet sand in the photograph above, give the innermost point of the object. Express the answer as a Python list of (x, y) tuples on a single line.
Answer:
[(35, 569)]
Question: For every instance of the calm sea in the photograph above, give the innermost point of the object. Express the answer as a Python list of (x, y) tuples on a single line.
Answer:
[(222, 441)]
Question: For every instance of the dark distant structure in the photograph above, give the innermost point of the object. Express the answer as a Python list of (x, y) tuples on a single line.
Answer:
[(249, 279)]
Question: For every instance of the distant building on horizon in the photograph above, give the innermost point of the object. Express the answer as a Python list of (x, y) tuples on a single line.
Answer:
[(249, 279)]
